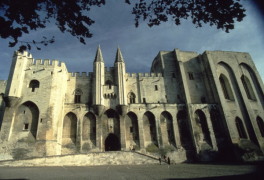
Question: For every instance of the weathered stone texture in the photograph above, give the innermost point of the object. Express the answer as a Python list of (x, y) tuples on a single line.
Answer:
[(190, 106)]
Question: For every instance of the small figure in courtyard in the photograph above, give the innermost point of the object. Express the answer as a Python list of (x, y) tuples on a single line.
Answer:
[(168, 161), (160, 160)]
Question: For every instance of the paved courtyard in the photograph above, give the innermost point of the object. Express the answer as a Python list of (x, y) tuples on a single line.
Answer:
[(179, 171)]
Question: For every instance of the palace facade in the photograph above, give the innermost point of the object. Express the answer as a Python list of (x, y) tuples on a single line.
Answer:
[(205, 105)]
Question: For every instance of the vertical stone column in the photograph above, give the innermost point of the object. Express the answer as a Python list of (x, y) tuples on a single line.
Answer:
[(176, 132)]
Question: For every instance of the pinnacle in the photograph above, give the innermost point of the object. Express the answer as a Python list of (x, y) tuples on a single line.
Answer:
[(98, 56), (119, 57)]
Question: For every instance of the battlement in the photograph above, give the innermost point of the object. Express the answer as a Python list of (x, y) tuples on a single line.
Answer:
[(78, 74), (48, 63), (144, 75)]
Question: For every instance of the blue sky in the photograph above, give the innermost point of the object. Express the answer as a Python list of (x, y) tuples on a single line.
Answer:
[(114, 26)]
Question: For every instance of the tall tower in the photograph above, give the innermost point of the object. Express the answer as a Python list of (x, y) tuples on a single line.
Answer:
[(17, 73), (98, 78), (120, 71)]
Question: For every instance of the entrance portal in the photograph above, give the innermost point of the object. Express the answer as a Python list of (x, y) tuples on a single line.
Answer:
[(112, 143)]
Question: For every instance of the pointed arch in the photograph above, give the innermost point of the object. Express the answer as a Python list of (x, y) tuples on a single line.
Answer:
[(166, 123), (240, 128), (248, 88), (149, 125), (201, 122), (89, 128), (226, 88), (26, 119), (255, 81), (260, 125), (131, 98), (69, 133), (132, 132)]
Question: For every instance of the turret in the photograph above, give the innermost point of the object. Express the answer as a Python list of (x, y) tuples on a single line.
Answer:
[(16, 76), (120, 71), (98, 78)]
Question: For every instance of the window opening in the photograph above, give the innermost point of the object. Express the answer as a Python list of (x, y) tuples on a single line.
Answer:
[(131, 129), (144, 100), (33, 85), (26, 126), (248, 88), (131, 98), (190, 75), (156, 87), (77, 98), (261, 126), (240, 128)]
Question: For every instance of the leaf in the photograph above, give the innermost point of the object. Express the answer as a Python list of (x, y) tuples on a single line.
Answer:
[(22, 48)]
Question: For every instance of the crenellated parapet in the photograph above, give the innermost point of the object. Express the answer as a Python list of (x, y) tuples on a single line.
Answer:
[(80, 75), (144, 75), (48, 63)]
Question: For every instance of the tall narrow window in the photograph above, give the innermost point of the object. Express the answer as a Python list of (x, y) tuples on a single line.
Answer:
[(144, 100), (156, 87), (190, 75), (77, 95), (226, 87), (33, 85), (248, 88), (131, 98), (261, 126), (240, 128)]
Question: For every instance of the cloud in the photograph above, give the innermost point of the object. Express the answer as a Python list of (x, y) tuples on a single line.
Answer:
[(114, 26)]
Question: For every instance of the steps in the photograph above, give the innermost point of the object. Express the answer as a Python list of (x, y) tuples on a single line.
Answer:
[(90, 159)]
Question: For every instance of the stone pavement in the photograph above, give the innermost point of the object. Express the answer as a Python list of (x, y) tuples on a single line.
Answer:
[(134, 172)]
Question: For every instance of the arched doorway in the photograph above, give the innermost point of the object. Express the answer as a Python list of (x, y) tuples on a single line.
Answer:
[(89, 128), (69, 132), (112, 143), (167, 129), (203, 130), (184, 130), (26, 120), (132, 134), (149, 125)]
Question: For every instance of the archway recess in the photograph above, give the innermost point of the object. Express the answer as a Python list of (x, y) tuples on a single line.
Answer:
[(112, 143)]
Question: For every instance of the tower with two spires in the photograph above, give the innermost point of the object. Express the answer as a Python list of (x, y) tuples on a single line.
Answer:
[(99, 81)]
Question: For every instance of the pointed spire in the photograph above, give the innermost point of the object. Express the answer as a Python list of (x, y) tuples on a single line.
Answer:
[(98, 56), (119, 57)]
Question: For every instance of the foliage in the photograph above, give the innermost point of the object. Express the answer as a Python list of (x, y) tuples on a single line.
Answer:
[(217, 13), (18, 17), (152, 148)]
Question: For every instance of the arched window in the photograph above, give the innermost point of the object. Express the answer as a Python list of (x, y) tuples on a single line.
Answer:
[(261, 126), (34, 84), (240, 128), (131, 98), (248, 88), (109, 83), (77, 95), (226, 87)]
